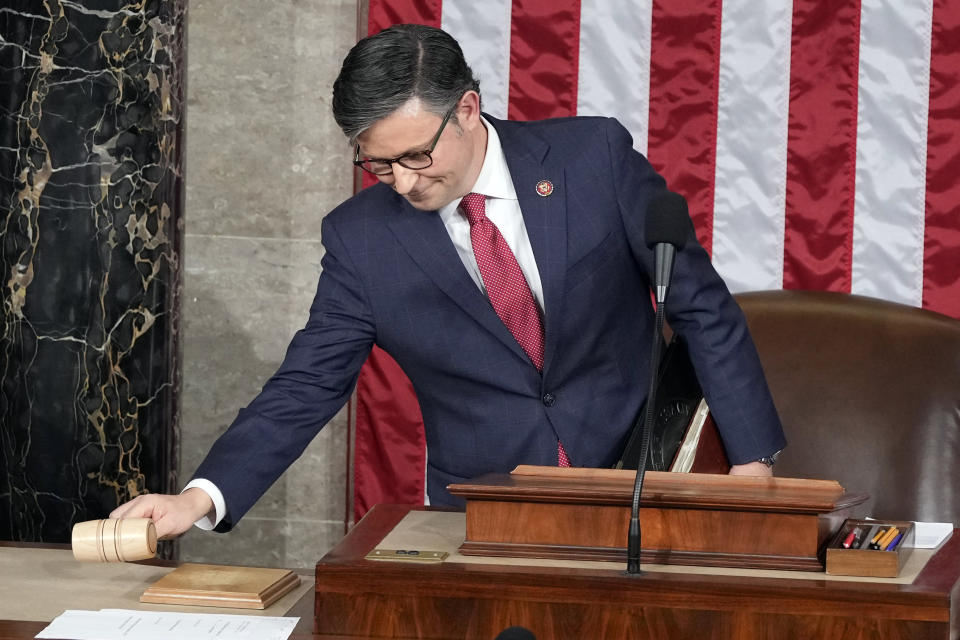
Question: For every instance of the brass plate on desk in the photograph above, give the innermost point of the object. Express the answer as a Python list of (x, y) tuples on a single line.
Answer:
[(407, 555)]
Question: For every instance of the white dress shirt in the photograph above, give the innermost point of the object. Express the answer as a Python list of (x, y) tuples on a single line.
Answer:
[(503, 209)]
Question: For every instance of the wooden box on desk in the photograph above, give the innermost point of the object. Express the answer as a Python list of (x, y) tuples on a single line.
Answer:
[(695, 519), (863, 561)]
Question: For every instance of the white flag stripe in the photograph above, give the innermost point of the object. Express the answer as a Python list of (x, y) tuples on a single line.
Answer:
[(892, 149), (483, 31), (753, 105), (614, 76)]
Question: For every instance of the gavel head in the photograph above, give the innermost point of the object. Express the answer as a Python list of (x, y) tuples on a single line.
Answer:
[(114, 540)]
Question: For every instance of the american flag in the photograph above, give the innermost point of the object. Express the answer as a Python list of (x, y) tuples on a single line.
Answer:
[(817, 142)]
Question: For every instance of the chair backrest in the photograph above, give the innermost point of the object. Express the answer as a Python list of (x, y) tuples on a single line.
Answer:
[(869, 395)]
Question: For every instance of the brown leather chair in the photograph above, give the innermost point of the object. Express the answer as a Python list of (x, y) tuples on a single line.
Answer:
[(869, 395)]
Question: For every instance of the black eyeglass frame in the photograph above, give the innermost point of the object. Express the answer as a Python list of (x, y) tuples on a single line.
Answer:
[(399, 159)]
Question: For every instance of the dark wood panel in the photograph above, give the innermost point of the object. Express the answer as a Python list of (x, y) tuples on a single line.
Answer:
[(18, 630), (719, 593), (478, 619), (704, 530)]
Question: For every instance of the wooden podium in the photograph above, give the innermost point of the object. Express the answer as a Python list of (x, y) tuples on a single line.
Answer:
[(361, 598), (750, 524), (694, 519)]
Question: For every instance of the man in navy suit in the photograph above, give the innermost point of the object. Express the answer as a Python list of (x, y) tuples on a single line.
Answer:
[(570, 198)]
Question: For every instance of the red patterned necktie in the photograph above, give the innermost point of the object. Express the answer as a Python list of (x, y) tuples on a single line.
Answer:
[(506, 286)]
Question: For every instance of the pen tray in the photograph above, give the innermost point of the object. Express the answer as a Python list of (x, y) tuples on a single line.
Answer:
[(860, 559)]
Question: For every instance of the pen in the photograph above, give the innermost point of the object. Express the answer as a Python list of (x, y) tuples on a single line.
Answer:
[(890, 535), (894, 543)]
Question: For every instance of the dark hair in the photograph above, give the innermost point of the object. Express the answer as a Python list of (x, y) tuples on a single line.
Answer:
[(383, 71)]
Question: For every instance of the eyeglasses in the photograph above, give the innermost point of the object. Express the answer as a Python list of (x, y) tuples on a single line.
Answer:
[(416, 160)]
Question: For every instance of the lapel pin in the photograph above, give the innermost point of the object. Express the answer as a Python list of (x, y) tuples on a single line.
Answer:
[(544, 188)]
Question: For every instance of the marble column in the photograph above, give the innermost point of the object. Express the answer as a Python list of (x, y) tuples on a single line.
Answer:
[(91, 201)]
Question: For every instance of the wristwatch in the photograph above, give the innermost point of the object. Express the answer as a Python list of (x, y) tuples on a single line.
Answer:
[(770, 459)]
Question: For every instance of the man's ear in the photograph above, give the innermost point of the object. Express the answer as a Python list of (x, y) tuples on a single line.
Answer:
[(468, 111)]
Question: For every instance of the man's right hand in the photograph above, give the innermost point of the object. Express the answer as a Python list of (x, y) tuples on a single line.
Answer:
[(172, 515)]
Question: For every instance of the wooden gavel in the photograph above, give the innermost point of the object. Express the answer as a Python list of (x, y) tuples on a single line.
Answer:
[(114, 540)]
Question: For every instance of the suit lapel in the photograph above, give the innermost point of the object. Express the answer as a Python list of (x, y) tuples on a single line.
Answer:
[(545, 217), (425, 239)]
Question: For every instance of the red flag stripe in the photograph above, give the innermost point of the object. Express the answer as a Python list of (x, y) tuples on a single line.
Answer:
[(544, 58), (385, 14), (684, 80), (941, 272), (389, 443), (821, 145)]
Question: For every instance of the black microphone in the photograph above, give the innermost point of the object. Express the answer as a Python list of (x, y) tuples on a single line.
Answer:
[(515, 633), (667, 225)]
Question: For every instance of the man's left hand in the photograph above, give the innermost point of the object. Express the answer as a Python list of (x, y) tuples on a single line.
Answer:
[(751, 469)]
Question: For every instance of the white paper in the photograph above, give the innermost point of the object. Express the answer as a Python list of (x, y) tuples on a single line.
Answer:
[(127, 624), (929, 535)]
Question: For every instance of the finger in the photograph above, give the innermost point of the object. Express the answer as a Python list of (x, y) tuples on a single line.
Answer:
[(123, 509), (139, 507), (169, 527)]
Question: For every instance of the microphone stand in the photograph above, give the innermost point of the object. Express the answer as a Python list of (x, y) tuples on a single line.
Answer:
[(633, 539), (664, 266)]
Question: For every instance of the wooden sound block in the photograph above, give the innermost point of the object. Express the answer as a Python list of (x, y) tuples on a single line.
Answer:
[(209, 585)]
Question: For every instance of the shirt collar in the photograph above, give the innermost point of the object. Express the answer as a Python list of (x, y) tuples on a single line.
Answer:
[(494, 180)]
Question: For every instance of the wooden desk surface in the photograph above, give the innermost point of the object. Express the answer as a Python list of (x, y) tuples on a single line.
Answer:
[(71, 579), (467, 601)]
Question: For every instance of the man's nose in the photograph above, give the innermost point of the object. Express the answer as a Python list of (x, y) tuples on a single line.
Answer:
[(403, 179)]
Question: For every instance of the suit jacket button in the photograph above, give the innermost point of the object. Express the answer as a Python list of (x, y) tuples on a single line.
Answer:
[(549, 399)]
